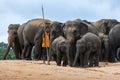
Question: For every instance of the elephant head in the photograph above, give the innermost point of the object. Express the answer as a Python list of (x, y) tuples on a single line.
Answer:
[(12, 38), (55, 30), (73, 30), (105, 25), (81, 47)]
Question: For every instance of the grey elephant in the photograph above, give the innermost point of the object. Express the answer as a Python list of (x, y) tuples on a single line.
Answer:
[(13, 41), (105, 25), (59, 50), (56, 30), (74, 30), (88, 50), (114, 40), (104, 47), (21, 41), (32, 36)]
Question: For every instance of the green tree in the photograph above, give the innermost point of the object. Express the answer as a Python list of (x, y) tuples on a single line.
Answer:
[(3, 45)]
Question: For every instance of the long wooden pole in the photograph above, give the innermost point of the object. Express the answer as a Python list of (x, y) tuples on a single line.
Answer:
[(44, 32)]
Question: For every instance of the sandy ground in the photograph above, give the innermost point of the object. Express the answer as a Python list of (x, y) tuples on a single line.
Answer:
[(35, 70)]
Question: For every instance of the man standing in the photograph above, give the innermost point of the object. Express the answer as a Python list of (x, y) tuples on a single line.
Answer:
[(45, 43)]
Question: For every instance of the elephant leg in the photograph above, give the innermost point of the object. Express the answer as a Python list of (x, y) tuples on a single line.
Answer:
[(81, 60), (106, 53), (38, 50), (118, 54), (65, 61), (59, 58), (16, 52), (96, 56), (76, 59), (102, 55), (112, 55), (28, 53), (6, 52), (86, 58), (20, 53), (106, 56), (91, 62), (24, 52)]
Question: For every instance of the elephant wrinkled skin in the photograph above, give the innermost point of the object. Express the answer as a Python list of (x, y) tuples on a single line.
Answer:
[(13, 41), (88, 50)]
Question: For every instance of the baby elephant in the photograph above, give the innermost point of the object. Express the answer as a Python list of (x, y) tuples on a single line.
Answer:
[(88, 50), (59, 50)]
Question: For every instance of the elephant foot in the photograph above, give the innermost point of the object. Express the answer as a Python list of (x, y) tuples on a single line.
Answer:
[(58, 64), (91, 64), (36, 59), (85, 66), (70, 65), (48, 63), (74, 65), (113, 60), (28, 59), (64, 65)]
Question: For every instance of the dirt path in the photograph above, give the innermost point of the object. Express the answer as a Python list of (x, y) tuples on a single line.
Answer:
[(35, 70)]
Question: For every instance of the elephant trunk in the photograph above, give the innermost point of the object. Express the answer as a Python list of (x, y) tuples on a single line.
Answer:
[(76, 57), (6, 52), (70, 54), (10, 44), (106, 48)]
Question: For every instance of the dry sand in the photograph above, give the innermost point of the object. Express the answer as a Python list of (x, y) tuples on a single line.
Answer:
[(35, 70)]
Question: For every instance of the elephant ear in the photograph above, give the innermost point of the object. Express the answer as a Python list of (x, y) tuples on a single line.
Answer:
[(63, 25), (83, 28)]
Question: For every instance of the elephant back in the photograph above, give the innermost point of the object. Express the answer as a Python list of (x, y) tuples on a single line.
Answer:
[(32, 28)]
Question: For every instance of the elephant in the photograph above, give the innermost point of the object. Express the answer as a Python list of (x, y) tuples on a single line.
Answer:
[(88, 50), (32, 36), (21, 41), (105, 25), (104, 47), (56, 30), (74, 30), (114, 41), (13, 41), (59, 50), (118, 54)]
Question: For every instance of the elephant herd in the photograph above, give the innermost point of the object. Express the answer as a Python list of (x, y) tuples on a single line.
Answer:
[(75, 42)]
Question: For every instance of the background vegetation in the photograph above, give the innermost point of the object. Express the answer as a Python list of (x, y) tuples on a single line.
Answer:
[(3, 47)]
